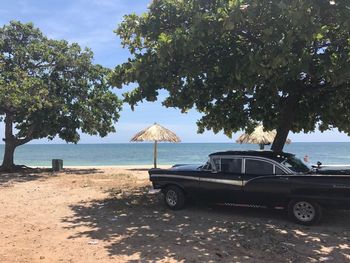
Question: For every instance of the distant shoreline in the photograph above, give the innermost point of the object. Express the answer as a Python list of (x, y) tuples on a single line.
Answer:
[(141, 154), (135, 143)]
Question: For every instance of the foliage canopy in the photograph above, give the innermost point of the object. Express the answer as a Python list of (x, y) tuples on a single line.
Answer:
[(51, 88), (284, 63)]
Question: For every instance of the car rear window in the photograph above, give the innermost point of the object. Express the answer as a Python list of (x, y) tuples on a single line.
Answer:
[(258, 167)]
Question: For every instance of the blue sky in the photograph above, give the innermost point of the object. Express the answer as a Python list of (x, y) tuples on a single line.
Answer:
[(91, 23)]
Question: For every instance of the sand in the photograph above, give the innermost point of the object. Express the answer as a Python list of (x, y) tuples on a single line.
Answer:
[(105, 214)]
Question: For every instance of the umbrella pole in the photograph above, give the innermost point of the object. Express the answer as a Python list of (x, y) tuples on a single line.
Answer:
[(155, 154)]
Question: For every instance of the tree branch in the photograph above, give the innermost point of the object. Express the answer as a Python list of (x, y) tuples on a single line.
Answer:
[(28, 137), (25, 140)]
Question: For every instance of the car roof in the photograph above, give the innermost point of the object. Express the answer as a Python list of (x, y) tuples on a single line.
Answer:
[(267, 154)]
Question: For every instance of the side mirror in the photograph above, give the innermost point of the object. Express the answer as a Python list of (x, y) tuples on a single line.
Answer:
[(319, 164)]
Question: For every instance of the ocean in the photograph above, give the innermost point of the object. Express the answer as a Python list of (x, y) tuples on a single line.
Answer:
[(168, 153)]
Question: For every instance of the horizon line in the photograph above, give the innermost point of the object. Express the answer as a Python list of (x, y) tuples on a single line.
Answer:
[(151, 142)]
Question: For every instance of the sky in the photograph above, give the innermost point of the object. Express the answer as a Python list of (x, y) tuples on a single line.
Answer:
[(91, 23)]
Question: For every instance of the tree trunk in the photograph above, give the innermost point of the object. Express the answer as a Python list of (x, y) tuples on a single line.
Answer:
[(285, 123), (281, 137), (155, 154), (8, 163), (10, 145)]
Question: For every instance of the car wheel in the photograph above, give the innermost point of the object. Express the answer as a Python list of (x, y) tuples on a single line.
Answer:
[(304, 212), (174, 197)]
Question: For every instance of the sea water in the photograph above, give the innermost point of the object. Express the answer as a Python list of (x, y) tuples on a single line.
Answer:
[(168, 153)]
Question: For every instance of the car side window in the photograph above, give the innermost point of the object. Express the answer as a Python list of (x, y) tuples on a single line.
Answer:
[(231, 165), (258, 167), (217, 166), (279, 171)]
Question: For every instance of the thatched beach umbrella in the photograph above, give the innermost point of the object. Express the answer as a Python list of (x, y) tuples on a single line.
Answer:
[(156, 133), (259, 136)]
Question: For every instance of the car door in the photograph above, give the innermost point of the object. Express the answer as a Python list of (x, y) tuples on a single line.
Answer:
[(224, 182), (264, 182)]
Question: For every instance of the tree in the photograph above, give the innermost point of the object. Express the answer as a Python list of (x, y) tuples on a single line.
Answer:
[(284, 64), (50, 88)]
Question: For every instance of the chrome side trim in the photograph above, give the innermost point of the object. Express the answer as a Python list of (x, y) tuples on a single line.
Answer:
[(210, 180), (264, 177), (287, 177), (222, 181), (175, 176)]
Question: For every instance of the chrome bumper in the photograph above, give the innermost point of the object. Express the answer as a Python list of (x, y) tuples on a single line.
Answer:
[(153, 191)]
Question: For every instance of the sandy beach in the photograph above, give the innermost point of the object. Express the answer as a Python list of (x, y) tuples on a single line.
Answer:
[(105, 214)]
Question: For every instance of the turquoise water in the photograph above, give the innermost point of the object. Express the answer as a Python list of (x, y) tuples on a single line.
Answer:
[(142, 153)]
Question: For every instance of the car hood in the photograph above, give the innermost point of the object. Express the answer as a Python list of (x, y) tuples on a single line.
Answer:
[(185, 167)]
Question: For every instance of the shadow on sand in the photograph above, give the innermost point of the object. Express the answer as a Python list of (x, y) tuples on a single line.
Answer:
[(30, 174), (24, 175), (134, 223)]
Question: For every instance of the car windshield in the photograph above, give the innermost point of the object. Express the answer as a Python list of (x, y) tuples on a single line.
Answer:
[(296, 165), (206, 166)]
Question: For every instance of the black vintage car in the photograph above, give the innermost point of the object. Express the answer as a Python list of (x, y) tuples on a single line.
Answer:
[(261, 178)]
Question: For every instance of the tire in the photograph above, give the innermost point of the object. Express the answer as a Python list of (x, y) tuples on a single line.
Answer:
[(304, 212), (174, 197)]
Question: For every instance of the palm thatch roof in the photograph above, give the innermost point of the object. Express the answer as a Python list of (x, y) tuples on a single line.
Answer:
[(157, 133), (259, 136)]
